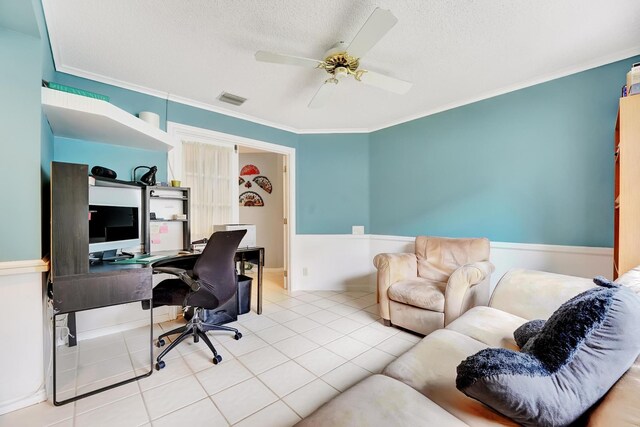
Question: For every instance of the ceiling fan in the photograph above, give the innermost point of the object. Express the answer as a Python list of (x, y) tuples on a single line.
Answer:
[(341, 60)]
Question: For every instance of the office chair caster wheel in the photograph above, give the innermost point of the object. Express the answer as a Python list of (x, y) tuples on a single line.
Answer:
[(160, 365), (160, 343), (237, 336), (217, 359)]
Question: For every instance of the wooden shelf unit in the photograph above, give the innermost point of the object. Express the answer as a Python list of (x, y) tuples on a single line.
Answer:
[(626, 240), (164, 202)]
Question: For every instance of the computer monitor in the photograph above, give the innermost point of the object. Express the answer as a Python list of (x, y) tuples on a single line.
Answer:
[(113, 227)]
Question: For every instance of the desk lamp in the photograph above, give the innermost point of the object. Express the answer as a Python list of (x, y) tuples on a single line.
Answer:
[(149, 178)]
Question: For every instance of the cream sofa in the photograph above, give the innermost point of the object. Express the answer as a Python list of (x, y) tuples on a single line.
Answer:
[(428, 289), (419, 388)]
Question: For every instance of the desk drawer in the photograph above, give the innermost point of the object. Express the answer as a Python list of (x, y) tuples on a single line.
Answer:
[(94, 290)]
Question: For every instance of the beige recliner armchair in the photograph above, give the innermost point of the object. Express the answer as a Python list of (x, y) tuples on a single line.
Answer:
[(428, 290)]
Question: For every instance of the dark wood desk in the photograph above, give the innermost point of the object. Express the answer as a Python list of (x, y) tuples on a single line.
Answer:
[(104, 285), (108, 284)]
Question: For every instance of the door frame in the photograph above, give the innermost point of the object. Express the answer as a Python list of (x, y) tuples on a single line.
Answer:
[(179, 132)]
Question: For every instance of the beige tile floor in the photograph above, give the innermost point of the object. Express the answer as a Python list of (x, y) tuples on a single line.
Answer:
[(302, 351)]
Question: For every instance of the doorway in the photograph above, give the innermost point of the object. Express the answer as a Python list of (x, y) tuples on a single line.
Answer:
[(261, 183), (283, 180)]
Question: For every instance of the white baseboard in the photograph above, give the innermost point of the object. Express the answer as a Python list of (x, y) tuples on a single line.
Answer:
[(39, 396), (345, 261)]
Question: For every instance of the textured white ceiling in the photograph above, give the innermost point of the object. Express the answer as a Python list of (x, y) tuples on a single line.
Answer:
[(453, 51)]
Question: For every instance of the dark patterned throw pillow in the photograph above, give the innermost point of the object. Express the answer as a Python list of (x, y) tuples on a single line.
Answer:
[(566, 366)]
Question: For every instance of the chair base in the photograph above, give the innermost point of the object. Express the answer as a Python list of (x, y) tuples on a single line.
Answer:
[(198, 329)]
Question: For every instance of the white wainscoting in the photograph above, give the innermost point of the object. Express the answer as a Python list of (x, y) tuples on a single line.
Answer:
[(345, 261), (22, 361), (333, 262)]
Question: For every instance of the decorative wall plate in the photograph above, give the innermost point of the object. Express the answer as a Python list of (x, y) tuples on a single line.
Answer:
[(264, 183), (251, 198), (249, 170)]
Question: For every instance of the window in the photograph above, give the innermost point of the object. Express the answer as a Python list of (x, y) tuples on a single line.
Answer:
[(207, 170)]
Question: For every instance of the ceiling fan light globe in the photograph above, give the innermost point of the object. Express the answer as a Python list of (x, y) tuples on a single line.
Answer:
[(340, 72)]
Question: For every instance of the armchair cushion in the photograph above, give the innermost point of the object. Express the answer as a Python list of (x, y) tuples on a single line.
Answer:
[(579, 353), (420, 293)]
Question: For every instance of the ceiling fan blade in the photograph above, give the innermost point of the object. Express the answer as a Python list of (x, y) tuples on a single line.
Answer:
[(385, 82), (279, 58), (378, 24), (324, 95)]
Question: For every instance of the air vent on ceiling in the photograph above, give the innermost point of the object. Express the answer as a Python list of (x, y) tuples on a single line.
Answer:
[(230, 98)]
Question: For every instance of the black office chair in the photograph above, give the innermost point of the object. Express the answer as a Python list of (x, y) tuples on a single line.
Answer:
[(212, 282)]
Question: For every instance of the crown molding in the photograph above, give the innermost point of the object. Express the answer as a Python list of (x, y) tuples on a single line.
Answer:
[(594, 63), (110, 81), (235, 114), (608, 59)]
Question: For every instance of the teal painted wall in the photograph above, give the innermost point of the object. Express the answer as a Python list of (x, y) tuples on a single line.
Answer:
[(135, 102), (187, 115), (531, 166), (119, 158), (333, 183), (332, 173), (20, 119)]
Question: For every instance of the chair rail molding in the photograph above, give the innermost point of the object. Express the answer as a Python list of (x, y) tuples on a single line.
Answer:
[(24, 266), (351, 259)]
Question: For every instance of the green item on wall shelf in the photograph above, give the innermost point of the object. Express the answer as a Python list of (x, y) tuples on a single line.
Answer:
[(77, 91)]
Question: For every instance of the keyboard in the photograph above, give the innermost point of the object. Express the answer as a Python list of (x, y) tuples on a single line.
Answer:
[(152, 258)]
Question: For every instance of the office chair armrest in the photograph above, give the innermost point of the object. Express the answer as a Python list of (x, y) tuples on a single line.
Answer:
[(180, 274)]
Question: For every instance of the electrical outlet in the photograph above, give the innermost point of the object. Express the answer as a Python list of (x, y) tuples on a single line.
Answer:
[(305, 271), (357, 229)]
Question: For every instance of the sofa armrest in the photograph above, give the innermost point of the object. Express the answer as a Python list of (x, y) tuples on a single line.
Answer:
[(392, 268), (535, 294), (467, 287)]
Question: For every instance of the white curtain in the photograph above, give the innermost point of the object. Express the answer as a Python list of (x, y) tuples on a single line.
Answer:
[(207, 171)]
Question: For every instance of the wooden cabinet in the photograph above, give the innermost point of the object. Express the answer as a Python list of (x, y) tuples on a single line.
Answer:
[(69, 198), (626, 247)]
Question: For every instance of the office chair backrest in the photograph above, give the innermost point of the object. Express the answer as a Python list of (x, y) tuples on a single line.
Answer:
[(216, 267)]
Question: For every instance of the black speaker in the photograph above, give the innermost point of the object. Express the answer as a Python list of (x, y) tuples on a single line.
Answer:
[(103, 172)]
